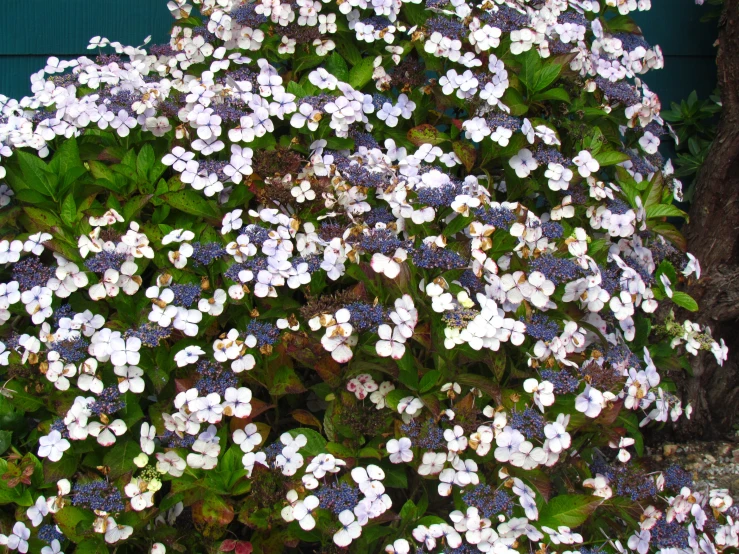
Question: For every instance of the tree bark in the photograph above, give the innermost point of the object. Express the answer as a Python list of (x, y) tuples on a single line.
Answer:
[(713, 237)]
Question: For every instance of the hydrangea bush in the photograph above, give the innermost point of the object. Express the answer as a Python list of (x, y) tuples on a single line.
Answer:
[(348, 277)]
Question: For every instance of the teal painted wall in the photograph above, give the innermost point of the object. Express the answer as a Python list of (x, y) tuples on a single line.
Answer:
[(33, 30)]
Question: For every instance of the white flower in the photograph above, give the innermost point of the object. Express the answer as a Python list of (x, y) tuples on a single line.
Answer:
[(18, 539), (585, 163), (456, 439), (106, 434), (339, 339), (232, 221), (432, 463), (38, 511), (391, 343), (148, 432), (141, 497), (558, 439), (400, 450), (54, 548), (178, 158), (115, 532), (52, 446), (508, 442), (130, 379), (350, 529), (362, 385), (640, 541), (541, 289), (187, 321), (237, 402), (523, 163), (125, 351), (590, 402), (543, 392), (34, 243), (302, 192), (170, 463), (188, 355), (247, 438), (177, 235), (389, 266), (399, 546)]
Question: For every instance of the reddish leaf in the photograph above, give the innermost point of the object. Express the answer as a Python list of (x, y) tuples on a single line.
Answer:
[(425, 134), (227, 545), (212, 515), (244, 547), (306, 418), (466, 153)]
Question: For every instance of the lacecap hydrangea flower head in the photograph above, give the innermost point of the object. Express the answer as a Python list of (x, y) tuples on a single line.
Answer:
[(348, 277)]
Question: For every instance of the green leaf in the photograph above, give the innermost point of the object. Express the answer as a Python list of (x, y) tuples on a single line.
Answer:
[(63, 469), (69, 517), (571, 510), (456, 225), (336, 66), (192, 202), (553, 94), (546, 76), (408, 511), (285, 381), (348, 50), (23, 400), (36, 174), (120, 458), (671, 233), (408, 373), (429, 380), (5, 440), (134, 206), (684, 300), (145, 161), (395, 476), (69, 210), (664, 210), (43, 218), (610, 158), (316, 443), (361, 73), (466, 153), (425, 134), (530, 67), (296, 89), (92, 546)]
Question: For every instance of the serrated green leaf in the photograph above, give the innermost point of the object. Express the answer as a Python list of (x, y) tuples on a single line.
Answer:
[(610, 157), (425, 134), (361, 73), (336, 66), (429, 380), (664, 210), (546, 76), (120, 458), (316, 443), (69, 210), (192, 202), (553, 94), (684, 300), (456, 225), (36, 174), (571, 510)]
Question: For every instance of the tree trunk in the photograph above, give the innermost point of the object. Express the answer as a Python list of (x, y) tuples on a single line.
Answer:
[(713, 237)]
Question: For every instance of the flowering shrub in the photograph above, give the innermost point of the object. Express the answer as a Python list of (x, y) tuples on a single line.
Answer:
[(347, 277)]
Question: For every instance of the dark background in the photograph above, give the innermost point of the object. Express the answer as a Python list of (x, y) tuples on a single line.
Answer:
[(33, 30)]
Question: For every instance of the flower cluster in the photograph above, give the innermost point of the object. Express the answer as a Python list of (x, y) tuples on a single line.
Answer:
[(352, 276)]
